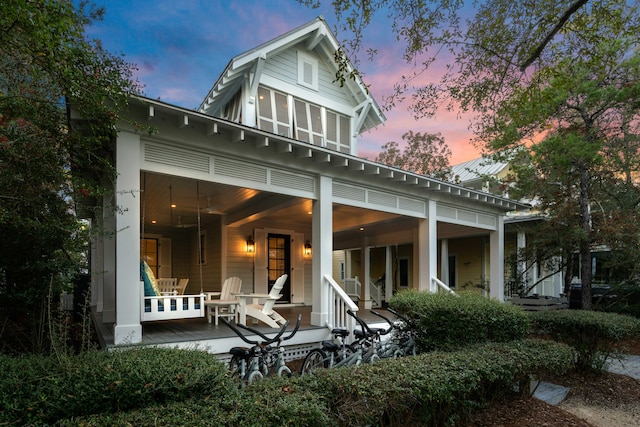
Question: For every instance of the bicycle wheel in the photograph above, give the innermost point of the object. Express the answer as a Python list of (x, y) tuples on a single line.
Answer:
[(373, 359), (235, 367), (348, 351), (253, 376), (316, 359), (284, 370)]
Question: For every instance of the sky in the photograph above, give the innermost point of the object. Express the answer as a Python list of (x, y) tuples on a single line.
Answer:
[(180, 48)]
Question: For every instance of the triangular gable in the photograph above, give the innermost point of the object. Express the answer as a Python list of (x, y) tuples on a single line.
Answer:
[(247, 69)]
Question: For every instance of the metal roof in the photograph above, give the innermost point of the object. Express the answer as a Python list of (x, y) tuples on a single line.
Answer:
[(475, 169)]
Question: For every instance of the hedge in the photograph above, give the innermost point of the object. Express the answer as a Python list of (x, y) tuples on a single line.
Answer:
[(436, 388), (593, 334), (41, 390), (446, 321)]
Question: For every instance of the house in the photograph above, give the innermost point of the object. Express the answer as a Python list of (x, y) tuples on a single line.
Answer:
[(264, 179), (541, 278)]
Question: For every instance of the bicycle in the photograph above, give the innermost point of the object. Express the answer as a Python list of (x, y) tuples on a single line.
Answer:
[(256, 362), (400, 342), (405, 335), (270, 364), (332, 354)]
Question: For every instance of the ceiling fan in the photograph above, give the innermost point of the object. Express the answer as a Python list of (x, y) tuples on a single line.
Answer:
[(212, 209), (181, 224)]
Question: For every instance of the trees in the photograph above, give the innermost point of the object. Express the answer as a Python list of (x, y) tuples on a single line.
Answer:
[(48, 164), (558, 80), (426, 154)]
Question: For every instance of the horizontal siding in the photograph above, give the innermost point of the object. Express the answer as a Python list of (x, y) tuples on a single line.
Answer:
[(284, 67)]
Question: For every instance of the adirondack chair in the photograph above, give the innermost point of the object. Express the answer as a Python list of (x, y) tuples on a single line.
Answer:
[(265, 313), (167, 286), (225, 302), (182, 286)]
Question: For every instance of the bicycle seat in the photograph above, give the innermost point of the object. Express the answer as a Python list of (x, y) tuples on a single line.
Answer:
[(330, 346), (240, 351), (360, 334), (340, 332)]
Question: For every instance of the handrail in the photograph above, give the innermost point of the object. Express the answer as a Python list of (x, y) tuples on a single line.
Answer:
[(339, 303), (375, 292), (443, 286)]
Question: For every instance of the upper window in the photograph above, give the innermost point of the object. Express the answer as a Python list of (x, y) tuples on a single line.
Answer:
[(338, 134), (307, 71), (304, 121), (308, 122), (273, 112)]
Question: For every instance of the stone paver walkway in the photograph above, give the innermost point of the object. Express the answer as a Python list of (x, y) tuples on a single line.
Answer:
[(554, 394)]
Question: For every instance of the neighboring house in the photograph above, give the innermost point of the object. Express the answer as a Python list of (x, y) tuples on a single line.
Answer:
[(485, 174), (264, 179)]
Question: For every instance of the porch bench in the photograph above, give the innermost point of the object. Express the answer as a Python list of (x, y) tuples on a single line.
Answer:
[(169, 307)]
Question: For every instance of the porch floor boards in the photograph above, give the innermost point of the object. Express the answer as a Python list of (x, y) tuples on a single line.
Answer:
[(189, 330)]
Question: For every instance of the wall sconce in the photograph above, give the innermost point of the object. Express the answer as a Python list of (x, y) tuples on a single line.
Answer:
[(307, 249), (251, 246)]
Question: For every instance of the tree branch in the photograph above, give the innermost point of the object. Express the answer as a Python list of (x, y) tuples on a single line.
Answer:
[(563, 19)]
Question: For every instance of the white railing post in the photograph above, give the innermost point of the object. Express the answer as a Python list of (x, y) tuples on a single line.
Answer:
[(339, 303)]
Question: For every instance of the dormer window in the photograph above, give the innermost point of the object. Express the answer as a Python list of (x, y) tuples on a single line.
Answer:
[(273, 112), (289, 116), (307, 71)]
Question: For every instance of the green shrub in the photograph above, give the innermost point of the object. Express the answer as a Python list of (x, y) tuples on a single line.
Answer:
[(593, 334), (40, 390), (435, 388), (445, 321)]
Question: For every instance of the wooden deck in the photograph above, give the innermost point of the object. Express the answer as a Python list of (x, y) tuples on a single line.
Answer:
[(198, 332)]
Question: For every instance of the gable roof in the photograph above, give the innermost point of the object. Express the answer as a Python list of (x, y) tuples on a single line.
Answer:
[(316, 36)]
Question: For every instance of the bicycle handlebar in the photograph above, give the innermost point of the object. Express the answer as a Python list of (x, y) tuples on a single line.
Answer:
[(293, 332), (391, 326), (395, 313), (247, 340), (363, 325)]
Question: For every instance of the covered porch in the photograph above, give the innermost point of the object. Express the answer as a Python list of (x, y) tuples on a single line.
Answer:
[(228, 200)]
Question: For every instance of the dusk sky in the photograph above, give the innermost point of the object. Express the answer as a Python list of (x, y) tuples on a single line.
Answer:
[(180, 49)]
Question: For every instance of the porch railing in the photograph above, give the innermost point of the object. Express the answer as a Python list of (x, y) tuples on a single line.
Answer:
[(442, 286), (353, 287), (375, 291), (339, 303)]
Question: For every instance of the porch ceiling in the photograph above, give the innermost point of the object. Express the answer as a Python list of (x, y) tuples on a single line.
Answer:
[(240, 205), (244, 205)]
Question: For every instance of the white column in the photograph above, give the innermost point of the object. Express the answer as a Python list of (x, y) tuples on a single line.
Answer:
[(109, 260), (366, 275), (322, 238), (128, 329), (444, 262), (496, 273), (388, 275), (249, 104), (425, 251)]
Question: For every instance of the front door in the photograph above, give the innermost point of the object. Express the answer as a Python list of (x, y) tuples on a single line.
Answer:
[(279, 262)]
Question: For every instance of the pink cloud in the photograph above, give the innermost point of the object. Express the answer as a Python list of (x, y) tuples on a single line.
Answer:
[(387, 69)]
